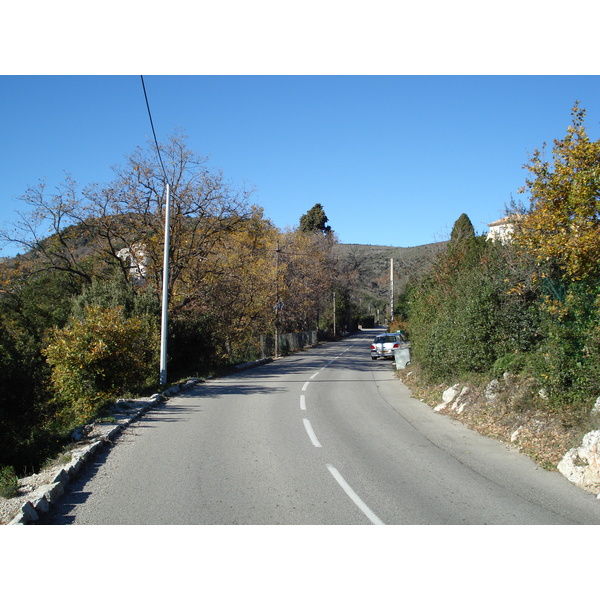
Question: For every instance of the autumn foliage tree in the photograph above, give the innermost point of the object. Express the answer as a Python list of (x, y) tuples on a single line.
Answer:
[(306, 272), (561, 227), (90, 228), (236, 286), (560, 231), (330, 281)]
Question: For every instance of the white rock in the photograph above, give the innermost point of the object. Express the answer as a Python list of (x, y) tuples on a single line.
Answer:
[(596, 408), (461, 400), (462, 407), (448, 396), (450, 393), (29, 512), (77, 434), (492, 390), (40, 504), (581, 466), (62, 476), (52, 491), (515, 434)]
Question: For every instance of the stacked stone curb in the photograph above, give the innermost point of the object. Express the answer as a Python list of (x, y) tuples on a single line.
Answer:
[(100, 433)]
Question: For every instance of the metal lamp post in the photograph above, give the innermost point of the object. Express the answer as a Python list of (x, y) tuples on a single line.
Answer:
[(165, 295)]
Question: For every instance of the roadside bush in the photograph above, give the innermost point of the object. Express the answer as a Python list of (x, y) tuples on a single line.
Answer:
[(9, 482), (512, 363), (571, 347), (476, 311), (97, 358), (33, 300), (454, 327), (493, 313), (24, 401)]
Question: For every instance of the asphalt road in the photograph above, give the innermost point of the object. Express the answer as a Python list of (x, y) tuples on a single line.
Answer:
[(326, 436)]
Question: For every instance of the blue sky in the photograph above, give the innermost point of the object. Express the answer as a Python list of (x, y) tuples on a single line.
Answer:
[(394, 160)]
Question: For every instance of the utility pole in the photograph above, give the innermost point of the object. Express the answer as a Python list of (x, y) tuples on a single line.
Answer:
[(165, 294), (391, 289), (277, 306), (333, 314), (165, 290)]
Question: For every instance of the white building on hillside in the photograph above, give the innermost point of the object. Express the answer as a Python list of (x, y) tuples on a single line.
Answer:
[(502, 229), (138, 261)]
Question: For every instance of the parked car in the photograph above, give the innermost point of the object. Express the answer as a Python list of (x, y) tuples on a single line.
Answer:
[(385, 344)]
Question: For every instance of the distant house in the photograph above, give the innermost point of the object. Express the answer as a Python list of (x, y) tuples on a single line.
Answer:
[(138, 261), (502, 229)]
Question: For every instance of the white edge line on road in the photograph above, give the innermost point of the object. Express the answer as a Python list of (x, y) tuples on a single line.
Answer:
[(311, 433), (354, 497), (305, 386), (302, 403), (314, 375)]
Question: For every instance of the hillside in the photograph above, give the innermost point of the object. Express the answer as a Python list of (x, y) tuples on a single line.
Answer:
[(370, 266), (365, 267)]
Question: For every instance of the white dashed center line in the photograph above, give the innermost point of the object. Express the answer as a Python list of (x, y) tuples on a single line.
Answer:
[(354, 497), (311, 433)]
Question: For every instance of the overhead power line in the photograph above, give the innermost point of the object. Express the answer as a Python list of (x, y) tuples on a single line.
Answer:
[(152, 126)]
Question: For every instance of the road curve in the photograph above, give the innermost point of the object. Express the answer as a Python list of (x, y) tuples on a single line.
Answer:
[(324, 437)]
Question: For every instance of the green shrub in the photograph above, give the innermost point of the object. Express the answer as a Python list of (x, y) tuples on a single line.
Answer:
[(97, 358), (512, 363), (9, 482), (116, 293), (454, 327), (485, 308), (571, 346), (476, 311), (24, 401)]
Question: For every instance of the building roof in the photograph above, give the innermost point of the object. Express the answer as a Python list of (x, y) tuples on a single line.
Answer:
[(506, 220)]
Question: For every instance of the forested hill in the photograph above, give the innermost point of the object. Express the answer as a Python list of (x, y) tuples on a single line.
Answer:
[(371, 266)]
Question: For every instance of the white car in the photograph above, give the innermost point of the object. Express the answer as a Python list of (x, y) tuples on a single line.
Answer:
[(385, 344)]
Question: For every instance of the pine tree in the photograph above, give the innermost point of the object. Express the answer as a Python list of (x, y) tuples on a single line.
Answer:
[(314, 220)]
